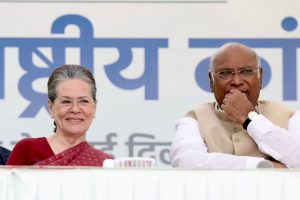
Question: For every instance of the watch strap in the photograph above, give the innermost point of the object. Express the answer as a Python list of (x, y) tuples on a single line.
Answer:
[(246, 123)]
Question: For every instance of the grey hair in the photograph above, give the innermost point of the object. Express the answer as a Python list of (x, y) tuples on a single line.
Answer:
[(212, 58), (67, 72)]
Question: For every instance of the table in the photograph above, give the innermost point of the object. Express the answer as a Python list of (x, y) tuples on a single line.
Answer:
[(64, 183)]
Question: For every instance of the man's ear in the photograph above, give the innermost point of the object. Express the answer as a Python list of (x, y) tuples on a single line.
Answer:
[(211, 81), (261, 76)]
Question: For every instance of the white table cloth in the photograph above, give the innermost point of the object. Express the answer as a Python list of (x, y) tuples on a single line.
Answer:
[(147, 184)]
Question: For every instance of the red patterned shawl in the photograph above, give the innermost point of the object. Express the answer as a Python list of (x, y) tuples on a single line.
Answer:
[(82, 154)]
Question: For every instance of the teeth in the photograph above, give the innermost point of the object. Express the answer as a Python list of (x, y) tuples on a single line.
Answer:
[(76, 120)]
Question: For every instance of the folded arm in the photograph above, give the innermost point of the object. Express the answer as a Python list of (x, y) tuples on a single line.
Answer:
[(188, 150), (283, 145)]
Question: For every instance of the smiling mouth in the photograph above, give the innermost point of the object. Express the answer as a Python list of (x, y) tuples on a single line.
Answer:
[(74, 120)]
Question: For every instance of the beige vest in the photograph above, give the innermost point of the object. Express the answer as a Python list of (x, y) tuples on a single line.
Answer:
[(222, 135)]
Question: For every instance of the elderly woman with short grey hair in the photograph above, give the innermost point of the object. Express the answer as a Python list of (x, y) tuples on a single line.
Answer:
[(72, 103)]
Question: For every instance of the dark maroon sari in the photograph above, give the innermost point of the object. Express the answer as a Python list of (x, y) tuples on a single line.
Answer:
[(82, 154)]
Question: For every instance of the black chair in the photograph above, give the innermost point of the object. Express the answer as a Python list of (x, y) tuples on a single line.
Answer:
[(4, 153)]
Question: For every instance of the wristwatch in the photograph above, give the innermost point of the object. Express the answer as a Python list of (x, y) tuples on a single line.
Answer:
[(250, 117)]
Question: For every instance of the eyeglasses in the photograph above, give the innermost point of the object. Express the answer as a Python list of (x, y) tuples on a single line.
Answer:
[(82, 102), (243, 73)]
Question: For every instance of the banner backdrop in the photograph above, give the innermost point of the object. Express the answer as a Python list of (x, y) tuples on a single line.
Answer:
[(150, 61)]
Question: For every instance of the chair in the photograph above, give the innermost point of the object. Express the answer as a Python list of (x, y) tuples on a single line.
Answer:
[(129, 162), (4, 154)]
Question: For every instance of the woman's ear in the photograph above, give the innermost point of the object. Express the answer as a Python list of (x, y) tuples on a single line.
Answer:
[(96, 103), (50, 106)]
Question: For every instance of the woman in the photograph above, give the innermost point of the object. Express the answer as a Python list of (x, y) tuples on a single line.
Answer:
[(72, 102)]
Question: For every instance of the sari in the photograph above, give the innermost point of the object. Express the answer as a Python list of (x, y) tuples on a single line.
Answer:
[(82, 154)]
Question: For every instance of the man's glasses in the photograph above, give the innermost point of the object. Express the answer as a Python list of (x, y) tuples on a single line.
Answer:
[(82, 102), (229, 74)]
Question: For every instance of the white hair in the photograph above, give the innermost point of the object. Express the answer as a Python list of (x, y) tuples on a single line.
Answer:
[(212, 58)]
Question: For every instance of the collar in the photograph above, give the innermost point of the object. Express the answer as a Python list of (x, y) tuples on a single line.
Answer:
[(218, 109)]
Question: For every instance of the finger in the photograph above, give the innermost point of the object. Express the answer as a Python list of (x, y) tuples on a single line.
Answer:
[(232, 91), (224, 102), (225, 99), (228, 95), (222, 106)]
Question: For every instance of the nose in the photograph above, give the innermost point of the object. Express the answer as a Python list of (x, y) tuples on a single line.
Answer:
[(236, 80), (75, 106)]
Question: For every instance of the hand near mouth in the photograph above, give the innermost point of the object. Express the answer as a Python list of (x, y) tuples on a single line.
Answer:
[(237, 106)]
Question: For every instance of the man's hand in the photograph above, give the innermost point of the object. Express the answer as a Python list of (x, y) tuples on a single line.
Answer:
[(277, 164), (237, 106)]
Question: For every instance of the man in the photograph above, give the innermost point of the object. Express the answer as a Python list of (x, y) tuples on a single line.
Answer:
[(4, 153), (237, 131)]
